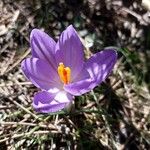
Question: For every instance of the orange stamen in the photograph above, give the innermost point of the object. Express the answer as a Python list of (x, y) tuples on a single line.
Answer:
[(64, 73)]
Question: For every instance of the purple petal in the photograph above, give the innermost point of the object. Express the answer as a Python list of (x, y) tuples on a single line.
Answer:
[(69, 50), (47, 102), (80, 87), (98, 66), (82, 75), (43, 46), (101, 64), (40, 73)]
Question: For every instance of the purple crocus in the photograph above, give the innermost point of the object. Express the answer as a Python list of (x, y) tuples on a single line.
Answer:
[(60, 71)]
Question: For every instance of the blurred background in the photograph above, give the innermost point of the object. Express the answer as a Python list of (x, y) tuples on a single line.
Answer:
[(115, 115)]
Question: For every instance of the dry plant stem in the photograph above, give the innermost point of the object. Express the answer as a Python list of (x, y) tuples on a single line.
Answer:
[(70, 122), (129, 96), (5, 107), (131, 106), (36, 117), (49, 126), (5, 68), (115, 86), (56, 120), (12, 84), (139, 18), (52, 142), (105, 120), (27, 134), (4, 48), (18, 61), (26, 110)]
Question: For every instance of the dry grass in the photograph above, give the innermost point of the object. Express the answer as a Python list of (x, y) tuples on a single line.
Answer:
[(114, 115)]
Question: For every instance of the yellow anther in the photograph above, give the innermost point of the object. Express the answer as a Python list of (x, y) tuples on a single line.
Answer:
[(64, 73)]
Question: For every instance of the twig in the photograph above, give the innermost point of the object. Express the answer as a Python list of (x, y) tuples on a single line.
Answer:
[(26, 110), (49, 126), (5, 107), (26, 134), (139, 18), (12, 84)]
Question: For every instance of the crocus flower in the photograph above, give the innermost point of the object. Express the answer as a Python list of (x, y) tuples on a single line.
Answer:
[(60, 71)]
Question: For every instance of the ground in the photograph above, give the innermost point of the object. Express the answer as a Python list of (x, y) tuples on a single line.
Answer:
[(116, 114)]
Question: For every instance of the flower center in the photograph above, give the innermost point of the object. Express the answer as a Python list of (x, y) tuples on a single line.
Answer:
[(64, 73)]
